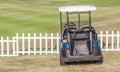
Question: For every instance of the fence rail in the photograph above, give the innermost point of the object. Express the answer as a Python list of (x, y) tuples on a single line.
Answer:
[(49, 43)]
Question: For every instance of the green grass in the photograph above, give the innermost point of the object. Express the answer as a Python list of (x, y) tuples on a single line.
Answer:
[(36, 16)]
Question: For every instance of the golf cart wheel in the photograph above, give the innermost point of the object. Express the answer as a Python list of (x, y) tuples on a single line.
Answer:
[(62, 61), (99, 62)]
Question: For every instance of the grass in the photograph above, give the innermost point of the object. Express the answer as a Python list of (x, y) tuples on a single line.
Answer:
[(50, 63), (42, 16), (28, 16)]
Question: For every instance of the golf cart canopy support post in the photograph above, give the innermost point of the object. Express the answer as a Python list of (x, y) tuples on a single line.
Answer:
[(89, 19), (61, 23), (67, 16), (79, 20)]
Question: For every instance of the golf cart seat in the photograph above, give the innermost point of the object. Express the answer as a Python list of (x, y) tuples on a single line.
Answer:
[(72, 28), (88, 30), (80, 43)]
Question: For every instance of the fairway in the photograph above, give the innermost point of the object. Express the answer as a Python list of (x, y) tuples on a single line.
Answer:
[(28, 16), (50, 63)]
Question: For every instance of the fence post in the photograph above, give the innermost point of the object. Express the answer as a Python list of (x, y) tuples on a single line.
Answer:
[(23, 44), (40, 42), (118, 40), (28, 43), (51, 43), (106, 40), (34, 43)]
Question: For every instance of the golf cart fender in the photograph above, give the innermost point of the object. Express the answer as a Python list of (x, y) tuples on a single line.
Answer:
[(97, 50)]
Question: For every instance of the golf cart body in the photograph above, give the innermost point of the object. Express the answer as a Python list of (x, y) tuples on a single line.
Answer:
[(78, 42)]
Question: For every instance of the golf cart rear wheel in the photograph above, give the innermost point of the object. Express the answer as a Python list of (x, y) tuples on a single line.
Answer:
[(62, 61), (99, 62)]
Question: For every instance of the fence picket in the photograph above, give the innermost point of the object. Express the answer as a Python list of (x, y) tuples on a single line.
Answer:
[(46, 44), (101, 40), (17, 44), (23, 44), (51, 43), (34, 43), (106, 40), (29, 43), (57, 43), (118, 40), (112, 39), (40, 42), (13, 46), (2, 47), (8, 45)]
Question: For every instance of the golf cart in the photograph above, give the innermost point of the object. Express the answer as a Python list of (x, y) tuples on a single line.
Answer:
[(78, 42)]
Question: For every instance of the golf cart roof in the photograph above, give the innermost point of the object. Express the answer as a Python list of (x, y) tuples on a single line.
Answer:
[(77, 8)]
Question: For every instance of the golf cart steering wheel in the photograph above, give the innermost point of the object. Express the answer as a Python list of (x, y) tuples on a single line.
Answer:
[(71, 25)]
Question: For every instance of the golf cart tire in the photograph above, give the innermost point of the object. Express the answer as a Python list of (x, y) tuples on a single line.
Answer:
[(62, 61), (99, 62)]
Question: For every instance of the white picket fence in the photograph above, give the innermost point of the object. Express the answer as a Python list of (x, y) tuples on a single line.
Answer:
[(36, 44), (49, 43), (109, 41)]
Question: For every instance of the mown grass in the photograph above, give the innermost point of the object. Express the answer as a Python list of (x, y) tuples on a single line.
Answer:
[(28, 16), (50, 63)]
